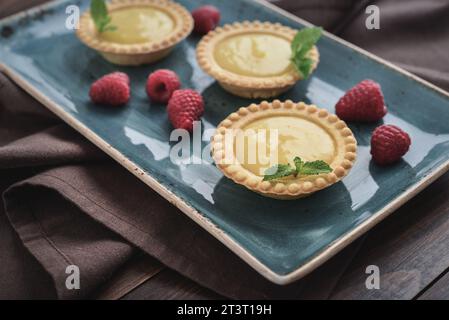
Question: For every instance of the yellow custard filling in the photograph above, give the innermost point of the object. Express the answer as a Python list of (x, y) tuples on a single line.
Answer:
[(254, 54), (139, 25), (296, 137)]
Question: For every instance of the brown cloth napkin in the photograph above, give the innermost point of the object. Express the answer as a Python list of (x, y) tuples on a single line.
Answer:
[(67, 203)]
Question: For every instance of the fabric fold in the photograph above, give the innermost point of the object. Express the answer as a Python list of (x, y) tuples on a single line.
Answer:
[(59, 235)]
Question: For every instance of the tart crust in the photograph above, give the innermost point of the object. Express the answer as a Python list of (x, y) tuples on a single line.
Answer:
[(139, 53), (247, 86), (286, 188)]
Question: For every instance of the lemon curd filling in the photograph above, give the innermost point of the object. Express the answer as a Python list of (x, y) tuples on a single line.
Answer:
[(295, 137), (254, 54), (138, 25)]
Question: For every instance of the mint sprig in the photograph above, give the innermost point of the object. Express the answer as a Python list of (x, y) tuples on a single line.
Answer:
[(301, 168), (99, 13), (303, 42), (278, 171)]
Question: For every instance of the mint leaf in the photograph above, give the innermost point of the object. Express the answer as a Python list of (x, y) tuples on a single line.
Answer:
[(304, 66), (315, 167), (278, 171), (98, 10), (109, 28), (99, 14), (305, 39), (298, 164), (303, 42), (301, 168)]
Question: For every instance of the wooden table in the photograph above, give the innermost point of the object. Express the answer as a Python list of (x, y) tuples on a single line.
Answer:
[(411, 249)]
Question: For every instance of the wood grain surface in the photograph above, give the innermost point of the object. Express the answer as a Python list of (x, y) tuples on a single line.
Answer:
[(137, 271), (411, 249)]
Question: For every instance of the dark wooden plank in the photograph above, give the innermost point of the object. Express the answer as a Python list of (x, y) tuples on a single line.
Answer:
[(438, 290), (411, 249), (169, 285)]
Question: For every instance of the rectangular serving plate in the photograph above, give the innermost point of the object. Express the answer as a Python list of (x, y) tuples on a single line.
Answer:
[(282, 240)]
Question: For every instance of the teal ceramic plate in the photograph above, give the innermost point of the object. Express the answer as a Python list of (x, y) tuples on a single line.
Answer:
[(283, 240)]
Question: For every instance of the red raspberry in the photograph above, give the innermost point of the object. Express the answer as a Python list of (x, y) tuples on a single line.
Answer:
[(388, 144), (185, 107), (111, 89), (161, 84), (364, 102), (206, 19), (120, 75)]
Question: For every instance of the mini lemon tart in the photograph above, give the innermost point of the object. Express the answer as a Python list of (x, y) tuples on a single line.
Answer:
[(144, 31), (248, 142), (252, 59)]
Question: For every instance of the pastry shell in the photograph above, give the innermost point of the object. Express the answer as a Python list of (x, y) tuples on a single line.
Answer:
[(287, 188), (248, 86), (138, 53)]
